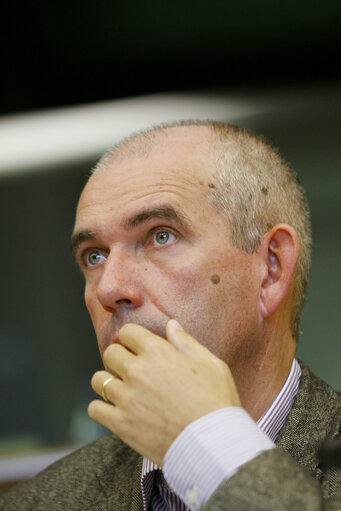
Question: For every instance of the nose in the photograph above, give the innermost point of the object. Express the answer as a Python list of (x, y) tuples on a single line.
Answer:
[(120, 283)]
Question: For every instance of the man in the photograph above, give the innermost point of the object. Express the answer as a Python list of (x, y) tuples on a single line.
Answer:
[(194, 240)]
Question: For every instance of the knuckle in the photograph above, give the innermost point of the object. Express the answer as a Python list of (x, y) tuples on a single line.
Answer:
[(127, 401), (157, 351), (119, 424), (133, 372)]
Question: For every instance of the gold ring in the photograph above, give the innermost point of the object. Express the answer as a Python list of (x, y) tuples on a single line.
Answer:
[(103, 388)]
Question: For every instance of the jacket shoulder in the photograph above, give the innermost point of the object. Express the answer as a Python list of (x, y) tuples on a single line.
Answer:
[(77, 481)]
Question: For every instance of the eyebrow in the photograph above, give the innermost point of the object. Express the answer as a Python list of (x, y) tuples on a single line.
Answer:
[(78, 237), (163, 212)]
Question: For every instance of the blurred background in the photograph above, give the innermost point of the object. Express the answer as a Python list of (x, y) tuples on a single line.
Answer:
[(78, 76)]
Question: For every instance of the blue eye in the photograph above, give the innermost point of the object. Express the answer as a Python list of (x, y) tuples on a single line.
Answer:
[(94, 257), (163, 237)]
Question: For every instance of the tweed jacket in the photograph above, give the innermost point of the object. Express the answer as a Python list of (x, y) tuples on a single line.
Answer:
[(105, 475)]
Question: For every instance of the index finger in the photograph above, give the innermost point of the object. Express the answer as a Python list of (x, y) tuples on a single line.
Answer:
[(137, 338)]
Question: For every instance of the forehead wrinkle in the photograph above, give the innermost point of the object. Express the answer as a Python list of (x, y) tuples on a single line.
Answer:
[(164, 212)]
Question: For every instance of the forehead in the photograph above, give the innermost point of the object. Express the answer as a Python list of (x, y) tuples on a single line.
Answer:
[(177, 167)]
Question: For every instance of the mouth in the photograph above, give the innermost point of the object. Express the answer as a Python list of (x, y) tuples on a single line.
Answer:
[(110, 334)]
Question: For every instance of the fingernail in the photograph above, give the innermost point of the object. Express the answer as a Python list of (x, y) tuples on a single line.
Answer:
[(174, 324)]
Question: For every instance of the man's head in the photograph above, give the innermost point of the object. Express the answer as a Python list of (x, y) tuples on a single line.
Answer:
[(180, 221)]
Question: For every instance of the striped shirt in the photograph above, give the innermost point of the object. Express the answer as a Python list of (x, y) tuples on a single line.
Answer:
[(225, 439)]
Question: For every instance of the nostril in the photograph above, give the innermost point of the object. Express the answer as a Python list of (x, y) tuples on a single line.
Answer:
[(123, 301)]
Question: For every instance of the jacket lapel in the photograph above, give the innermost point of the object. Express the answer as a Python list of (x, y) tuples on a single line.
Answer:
[(119, 474)]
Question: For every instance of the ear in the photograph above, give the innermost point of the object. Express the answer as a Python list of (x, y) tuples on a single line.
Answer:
[(279, 250)]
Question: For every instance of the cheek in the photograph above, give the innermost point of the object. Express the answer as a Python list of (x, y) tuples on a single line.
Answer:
[(187, 278), (202, 273), (190, 285), (219, 289)]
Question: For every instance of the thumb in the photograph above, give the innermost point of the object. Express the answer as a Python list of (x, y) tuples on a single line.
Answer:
[(184, 342)]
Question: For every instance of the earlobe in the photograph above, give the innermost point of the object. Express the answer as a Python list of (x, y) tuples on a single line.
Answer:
[(279, 250)]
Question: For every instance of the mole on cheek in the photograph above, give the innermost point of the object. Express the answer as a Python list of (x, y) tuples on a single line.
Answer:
[(215, 279)]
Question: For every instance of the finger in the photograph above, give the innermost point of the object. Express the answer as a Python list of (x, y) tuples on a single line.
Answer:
[(103, 413), (118, 359), (184, 342), (112, 388), (137, 338)]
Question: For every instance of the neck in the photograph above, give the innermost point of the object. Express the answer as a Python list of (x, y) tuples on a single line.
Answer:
[(260, 382)]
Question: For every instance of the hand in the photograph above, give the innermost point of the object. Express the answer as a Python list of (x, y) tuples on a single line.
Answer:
[(159, 387)]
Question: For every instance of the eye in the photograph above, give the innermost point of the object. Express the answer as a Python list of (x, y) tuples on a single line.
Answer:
[(93, 257), (163, 238)]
